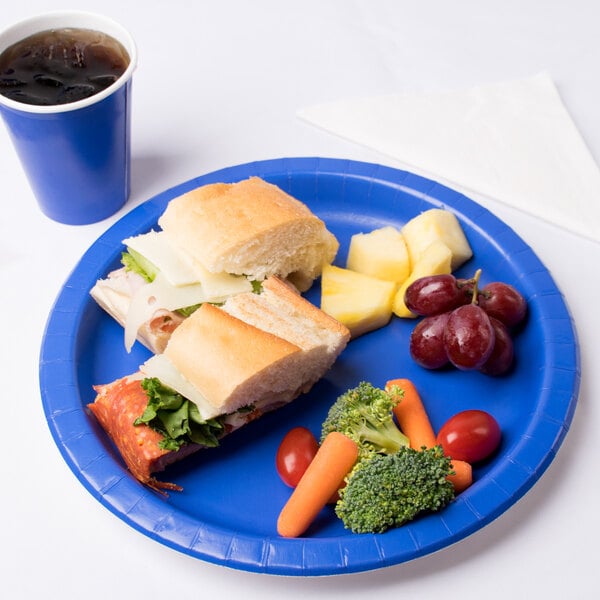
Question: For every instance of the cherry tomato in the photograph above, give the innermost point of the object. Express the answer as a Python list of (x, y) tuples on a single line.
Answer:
[(471, 435), (295, 453)]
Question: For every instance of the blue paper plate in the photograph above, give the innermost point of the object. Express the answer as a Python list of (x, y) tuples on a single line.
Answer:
[(232, 495)]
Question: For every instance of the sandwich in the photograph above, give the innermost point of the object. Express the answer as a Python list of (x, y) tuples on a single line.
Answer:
[(223, 367), (213, 242)]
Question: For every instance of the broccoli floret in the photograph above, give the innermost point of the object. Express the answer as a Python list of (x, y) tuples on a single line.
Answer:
[(389, 490), (365, 415)]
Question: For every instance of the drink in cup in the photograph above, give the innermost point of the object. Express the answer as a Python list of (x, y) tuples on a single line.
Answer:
[(65, 97)]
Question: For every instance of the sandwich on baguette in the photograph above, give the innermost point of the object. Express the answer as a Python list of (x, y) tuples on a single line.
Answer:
[(215, 241), (223, 367)]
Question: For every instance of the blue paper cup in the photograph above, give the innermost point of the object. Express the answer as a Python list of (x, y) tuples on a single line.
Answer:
[(76, 156)]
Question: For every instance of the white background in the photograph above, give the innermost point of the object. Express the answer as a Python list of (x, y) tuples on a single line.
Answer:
[(218, 84)]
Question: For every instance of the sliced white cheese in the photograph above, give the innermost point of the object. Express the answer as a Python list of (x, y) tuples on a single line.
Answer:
[(156, 247), (180, 282), (218, 286), (162, 368), (154, 296), (180, 268)]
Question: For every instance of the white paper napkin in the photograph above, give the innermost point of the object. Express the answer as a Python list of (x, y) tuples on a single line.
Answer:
[(512, 141)]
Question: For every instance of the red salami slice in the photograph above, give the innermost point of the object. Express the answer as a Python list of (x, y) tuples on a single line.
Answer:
[(117, 406)]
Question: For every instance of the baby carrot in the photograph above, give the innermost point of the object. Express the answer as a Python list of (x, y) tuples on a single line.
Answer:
[(411, 415), (414, 422), (335, 458), (463, 475)]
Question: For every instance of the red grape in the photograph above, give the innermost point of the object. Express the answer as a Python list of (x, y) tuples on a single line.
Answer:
[(427, 342), (435, 294), (468, 337), (501, 358), (465, 325), (503, 302)]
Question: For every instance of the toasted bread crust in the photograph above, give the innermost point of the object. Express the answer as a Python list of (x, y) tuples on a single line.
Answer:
[(219, 354), (288, 294), (250, 228)]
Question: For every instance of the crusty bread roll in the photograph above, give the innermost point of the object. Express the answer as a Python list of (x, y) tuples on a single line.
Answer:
[(250, 228), (257, 348), (282, 311), (231, 363)]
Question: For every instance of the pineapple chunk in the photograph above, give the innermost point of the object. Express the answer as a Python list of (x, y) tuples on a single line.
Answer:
[(381, 253), (436, 259), (436, 224), (361, 302)]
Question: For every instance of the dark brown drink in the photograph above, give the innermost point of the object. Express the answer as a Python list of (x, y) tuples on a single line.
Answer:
[(60, 66)]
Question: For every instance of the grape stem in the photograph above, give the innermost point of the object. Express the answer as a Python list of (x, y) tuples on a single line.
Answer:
[(475, 297)]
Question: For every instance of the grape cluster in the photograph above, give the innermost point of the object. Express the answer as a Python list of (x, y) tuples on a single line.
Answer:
[(464, 325)]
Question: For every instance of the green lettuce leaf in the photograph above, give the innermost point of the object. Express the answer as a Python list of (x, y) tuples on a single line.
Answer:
[(176, 418), (134, 261), (188, 310)]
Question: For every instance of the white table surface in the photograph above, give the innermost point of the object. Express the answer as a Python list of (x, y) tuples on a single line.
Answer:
[(218, 84)]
